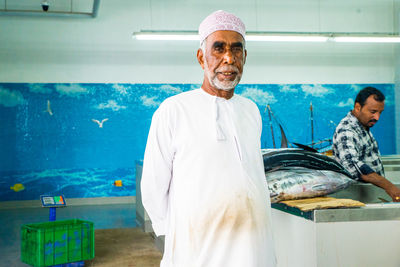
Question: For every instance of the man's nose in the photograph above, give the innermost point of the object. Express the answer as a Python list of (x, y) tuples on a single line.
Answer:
[(228, 57), (376, 116)]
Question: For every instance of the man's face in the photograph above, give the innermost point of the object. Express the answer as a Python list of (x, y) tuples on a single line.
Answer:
[(223, 59), (369, 114)]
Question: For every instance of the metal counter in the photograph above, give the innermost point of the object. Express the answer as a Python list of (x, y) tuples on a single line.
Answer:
[(142, 218), (391, 163), (371, 212), (361, 236), (371, 195)]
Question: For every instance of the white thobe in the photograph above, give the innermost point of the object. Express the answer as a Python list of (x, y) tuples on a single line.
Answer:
[(203, 182)]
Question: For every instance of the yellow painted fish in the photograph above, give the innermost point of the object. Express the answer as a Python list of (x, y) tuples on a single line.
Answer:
[(118, 183), (17, 187)]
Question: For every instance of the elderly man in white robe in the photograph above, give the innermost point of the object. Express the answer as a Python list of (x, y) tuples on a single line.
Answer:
[(203, 182)]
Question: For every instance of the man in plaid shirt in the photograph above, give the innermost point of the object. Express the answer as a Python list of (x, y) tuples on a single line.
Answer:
[(355, 147)]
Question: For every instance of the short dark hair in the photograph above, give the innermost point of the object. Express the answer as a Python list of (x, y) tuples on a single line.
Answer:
[(367, 92)]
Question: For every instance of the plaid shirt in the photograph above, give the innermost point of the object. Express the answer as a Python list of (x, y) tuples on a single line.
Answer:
[(356, 149)]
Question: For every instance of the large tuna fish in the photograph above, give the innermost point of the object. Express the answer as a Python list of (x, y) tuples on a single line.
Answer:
[(278, 158), (295, 174), (299, 182)]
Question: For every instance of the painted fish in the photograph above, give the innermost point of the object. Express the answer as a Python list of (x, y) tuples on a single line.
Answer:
[(17, 187), (118, 183), (279, 158), (299, 182)]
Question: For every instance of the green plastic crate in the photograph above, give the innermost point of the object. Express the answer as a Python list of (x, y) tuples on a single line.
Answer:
[(58, 242)]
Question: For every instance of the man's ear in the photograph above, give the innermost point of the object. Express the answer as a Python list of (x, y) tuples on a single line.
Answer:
[(200, 57), (245, 56), (357, 107)]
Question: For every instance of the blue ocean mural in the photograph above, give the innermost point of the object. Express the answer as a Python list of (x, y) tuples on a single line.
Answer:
[(77, 139)]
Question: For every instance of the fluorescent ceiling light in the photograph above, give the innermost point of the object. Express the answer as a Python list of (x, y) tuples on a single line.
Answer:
[(366, 39), (285, 38), (276, 37), (166, 36)]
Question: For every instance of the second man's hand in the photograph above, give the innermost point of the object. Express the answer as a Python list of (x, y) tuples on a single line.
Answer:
[(380, 181), (394, 193)]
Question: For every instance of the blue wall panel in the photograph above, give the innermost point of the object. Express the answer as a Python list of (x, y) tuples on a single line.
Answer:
[(51, 144)]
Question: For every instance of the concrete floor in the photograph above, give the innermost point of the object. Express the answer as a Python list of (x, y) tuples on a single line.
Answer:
[(117, 240), (125, 247)]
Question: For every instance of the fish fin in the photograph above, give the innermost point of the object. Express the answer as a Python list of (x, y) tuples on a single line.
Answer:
[(277, 168), (319, 187), (306, 147), (284, 141)]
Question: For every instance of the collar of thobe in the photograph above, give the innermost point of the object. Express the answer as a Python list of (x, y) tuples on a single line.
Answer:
[(217, 101)]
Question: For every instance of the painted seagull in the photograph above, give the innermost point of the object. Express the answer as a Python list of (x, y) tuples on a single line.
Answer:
[(100, 123), (49, 108)]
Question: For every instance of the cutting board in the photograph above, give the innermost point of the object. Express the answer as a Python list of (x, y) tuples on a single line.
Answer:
[(322, 203)]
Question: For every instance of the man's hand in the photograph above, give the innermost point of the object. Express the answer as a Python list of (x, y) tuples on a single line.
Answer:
[(383, 183), (394, 193)]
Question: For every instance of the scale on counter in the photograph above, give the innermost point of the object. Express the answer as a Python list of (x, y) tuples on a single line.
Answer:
[(53, 202)]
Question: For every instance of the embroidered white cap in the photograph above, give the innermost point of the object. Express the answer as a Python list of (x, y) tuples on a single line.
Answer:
[(221, 21)]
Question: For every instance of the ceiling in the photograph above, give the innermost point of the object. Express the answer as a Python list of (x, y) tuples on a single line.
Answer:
[(64, 8)]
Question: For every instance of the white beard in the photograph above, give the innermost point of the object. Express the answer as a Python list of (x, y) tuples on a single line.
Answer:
[(225, 85)]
